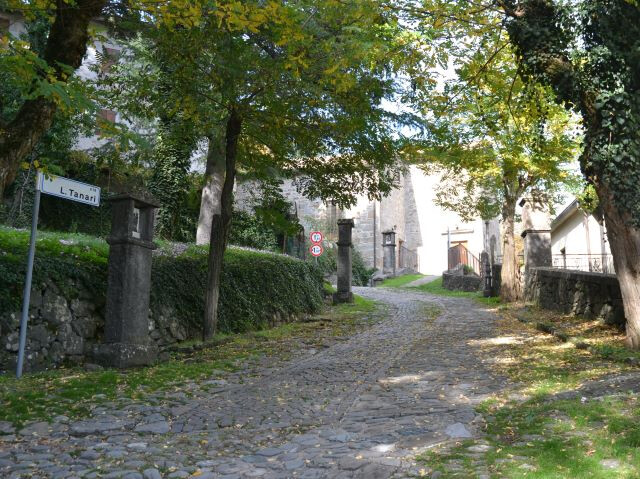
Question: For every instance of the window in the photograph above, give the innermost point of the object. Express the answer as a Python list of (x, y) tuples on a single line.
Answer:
[(105, 117), (109, 58)]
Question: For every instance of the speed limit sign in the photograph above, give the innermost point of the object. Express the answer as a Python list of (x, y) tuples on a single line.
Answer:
[(316, 237), (316, 250)]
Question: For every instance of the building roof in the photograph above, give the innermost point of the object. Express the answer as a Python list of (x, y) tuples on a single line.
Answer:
[(565, 214)]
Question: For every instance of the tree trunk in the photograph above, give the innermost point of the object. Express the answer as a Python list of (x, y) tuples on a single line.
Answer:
[(510, 283), (212, 191), (220, 223), (66, 47), (625, 247)]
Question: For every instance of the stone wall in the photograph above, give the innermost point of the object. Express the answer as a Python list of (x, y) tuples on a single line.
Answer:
[(460, 282), (63, 330), (593, 295)]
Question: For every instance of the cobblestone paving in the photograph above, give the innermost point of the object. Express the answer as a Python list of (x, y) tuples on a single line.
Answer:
[(363, 407)]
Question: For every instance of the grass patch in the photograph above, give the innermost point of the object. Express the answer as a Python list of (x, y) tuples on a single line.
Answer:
[(72, 392), (400, 281), (568, 416), (435, 287)]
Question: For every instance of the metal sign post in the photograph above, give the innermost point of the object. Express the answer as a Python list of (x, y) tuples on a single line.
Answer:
[(63, 188), (26, 297)]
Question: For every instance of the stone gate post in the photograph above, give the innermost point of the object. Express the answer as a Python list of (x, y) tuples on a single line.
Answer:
[(389, 247), (537, 238), (126, 336), (344, 294)]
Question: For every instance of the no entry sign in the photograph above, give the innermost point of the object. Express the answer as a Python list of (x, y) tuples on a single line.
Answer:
[(316, 250), (316, 237)]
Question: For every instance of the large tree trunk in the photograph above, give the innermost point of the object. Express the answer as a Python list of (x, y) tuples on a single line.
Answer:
[(625, 247), (510, 282), (546, 58), (220, 224), (212, 191), (66, 46)]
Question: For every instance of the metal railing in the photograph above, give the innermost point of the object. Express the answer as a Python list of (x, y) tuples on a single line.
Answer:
[(459, 255), (408, 258), (595, 263)]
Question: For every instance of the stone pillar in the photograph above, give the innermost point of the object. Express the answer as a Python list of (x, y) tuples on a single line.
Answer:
[(389, 247), (537, 238), (344, 294), (126, 337), (486, 273)]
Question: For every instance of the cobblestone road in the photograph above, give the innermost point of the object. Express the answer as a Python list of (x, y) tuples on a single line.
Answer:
[(363, 407)]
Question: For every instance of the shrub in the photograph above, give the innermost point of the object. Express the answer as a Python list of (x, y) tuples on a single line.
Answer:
[(328, 264), (255, 285)]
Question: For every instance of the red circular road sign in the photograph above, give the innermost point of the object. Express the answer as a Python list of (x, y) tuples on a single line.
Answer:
[(316, 250), (316, 237)]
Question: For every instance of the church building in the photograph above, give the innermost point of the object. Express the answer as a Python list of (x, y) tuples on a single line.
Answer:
[(424, 232)]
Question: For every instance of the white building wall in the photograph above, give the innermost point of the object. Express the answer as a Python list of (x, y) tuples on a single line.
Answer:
[(579, 234), (434, 223)]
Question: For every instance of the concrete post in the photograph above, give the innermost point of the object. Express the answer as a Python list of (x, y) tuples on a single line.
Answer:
[(344, 294), (389, 247), (126, 338), (537, 238)]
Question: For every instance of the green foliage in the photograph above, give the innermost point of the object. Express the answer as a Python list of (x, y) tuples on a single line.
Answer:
[(328, 264), (248, 230), (269, 222), (588, 52), (308, 81), (255, 286), (82, 260), (170, 183), (494, 137), (361, 273)]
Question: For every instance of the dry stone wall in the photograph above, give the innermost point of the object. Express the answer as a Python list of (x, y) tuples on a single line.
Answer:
[(593, 295), (64, 331), (461, 282)]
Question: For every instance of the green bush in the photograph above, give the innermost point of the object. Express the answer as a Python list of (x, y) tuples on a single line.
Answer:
[(248, 230), (255, 285), (328, 264)]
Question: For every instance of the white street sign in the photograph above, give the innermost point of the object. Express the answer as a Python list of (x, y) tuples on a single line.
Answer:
[(316, 250), (69, 189)]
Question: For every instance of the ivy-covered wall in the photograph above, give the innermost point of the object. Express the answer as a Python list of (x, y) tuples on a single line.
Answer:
[(67, 307)]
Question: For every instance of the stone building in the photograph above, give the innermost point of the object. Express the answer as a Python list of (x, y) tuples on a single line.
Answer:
[(424, 231)]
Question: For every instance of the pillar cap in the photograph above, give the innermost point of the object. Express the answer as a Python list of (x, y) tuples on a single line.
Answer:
[(526, 232), (141, 200), (346, 221)]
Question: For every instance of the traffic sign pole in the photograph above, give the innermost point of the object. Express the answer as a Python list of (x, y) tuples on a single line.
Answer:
[(55, 186), (26, 297)]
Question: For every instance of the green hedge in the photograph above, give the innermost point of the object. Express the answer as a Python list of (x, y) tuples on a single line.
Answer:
[(328, 264), (255, 285)]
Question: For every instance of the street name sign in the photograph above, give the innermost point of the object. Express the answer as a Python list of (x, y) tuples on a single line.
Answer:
[(63, 188), (69, 189)]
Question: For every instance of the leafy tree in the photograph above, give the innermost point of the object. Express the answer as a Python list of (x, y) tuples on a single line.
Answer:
[(589, 53), (41, 67), (294, 90), (497, 139), (41, 75)]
